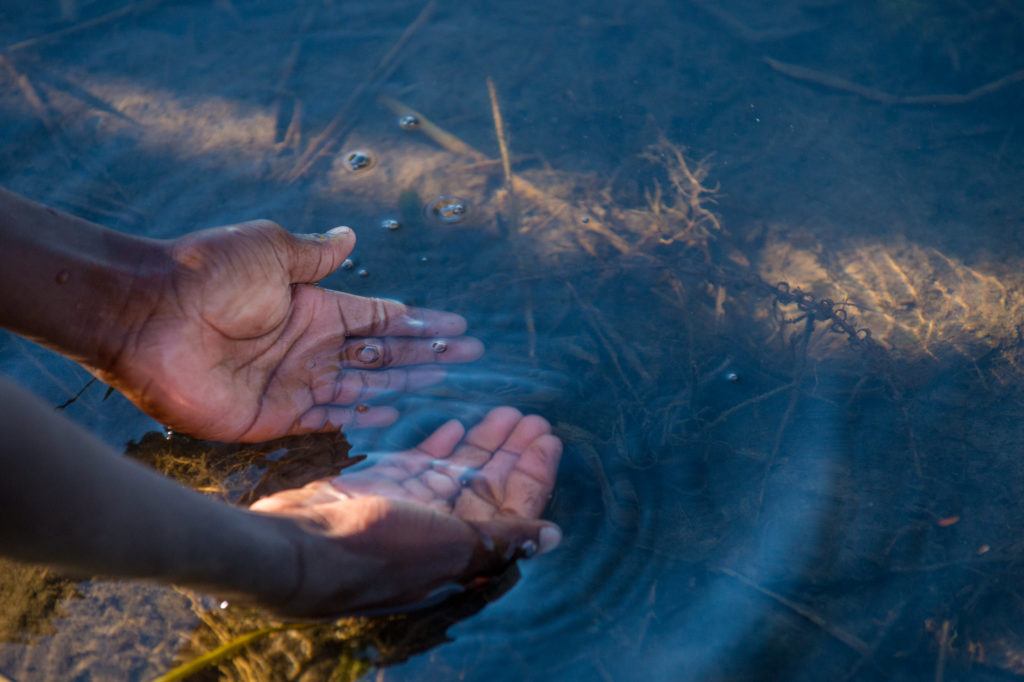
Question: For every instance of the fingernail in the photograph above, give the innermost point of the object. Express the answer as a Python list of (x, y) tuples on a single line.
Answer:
[(550, 537), (340, 231)]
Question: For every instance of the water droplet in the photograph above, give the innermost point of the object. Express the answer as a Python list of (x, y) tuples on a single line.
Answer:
[(358, 160), (732, 377), (439, 346), (528, 549), (408, 122), (62, 276), (223, 605), (390, 224), (361, 408), (368, 354), (447, 209), (348, 264), (364, 273)]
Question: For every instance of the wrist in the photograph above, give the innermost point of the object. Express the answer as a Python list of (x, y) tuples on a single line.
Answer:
[(138, 279)]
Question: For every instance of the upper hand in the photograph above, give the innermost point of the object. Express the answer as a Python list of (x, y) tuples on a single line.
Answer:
[(242, 345)]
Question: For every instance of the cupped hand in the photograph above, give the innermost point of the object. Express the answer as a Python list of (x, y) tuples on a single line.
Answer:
[(242, 345), (457, 505)]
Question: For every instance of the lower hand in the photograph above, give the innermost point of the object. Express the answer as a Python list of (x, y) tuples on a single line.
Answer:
[(457, 505)]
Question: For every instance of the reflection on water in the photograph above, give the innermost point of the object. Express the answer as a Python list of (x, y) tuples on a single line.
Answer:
[(762, 274)]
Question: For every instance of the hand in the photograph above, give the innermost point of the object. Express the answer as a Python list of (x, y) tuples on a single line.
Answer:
[(241, 345), (456, 505)]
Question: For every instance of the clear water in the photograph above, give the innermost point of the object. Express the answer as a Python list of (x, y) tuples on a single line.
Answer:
[(745, 495)]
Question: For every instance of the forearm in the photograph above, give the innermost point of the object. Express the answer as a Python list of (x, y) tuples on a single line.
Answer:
[(70, 501), (70, 284)]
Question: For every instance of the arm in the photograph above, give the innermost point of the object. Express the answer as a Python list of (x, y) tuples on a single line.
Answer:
[(70, 501), (72, 285)]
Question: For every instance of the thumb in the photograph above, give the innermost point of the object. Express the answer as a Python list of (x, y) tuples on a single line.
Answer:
[(313, 257), (503, 540)]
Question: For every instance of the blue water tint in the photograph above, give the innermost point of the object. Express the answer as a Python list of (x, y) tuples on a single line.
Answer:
[(746, 492)]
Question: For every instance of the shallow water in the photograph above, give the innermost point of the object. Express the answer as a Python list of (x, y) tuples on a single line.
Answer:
[(745, 494)]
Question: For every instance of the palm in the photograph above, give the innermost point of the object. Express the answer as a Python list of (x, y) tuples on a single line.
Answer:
[(245, 346), (423, 514)]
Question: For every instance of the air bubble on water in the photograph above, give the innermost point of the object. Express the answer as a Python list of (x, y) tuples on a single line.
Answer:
[(223, 605), (358, 160), (585, 219), (424, 259), (448, 209), (528, 549), (364, 273), (732, 377), (408, 122), (439, 346), (368, 354), (168, 433), (348, 264), (390, 224)]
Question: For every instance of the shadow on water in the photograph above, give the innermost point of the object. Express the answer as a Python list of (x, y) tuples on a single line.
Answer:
[(813, 481)]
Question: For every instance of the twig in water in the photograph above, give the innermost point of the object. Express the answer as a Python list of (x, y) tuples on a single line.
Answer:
[(743, 32), (114, 15), (940, 661), (794, 398), (38, 107), (827, 80), (67, 403), (499, 132), (342, 123), (845, 638), (747, 403)]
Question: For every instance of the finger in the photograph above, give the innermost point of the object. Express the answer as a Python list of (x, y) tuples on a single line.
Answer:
[(310, 258), (442, 442), (483, 439), (356, 386), (330, 418), (362, 316), (506, 539), (490, 482), (378, 353), (529, 484)]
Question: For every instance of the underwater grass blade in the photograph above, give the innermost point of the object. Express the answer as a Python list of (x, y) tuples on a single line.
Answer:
[(224, 651)]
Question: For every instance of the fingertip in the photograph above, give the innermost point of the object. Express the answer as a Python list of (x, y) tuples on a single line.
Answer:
[(549, 538)]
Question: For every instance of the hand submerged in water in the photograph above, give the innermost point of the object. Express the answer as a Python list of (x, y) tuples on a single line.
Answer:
[(241, 345), (455, 506)]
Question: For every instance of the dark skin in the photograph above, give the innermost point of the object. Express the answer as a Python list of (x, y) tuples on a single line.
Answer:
[(225, 335)]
